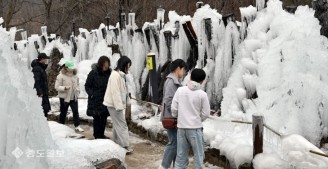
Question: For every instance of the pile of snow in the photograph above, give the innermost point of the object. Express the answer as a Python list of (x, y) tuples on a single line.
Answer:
[(233, 140), (297, 155), (81, 153), (141, 117), (282, 73)]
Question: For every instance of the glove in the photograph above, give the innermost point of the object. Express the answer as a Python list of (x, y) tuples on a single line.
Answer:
[(39, 93)]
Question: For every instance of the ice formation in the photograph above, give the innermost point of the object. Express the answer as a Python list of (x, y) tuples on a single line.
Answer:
[(273, 63)]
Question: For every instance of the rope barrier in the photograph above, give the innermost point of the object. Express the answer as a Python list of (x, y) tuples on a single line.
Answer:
[(141, 101), (265, 125), (243, 122), (83, 98), (320, 154), (272, 130)]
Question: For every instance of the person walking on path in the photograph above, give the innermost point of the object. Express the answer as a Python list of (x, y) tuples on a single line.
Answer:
[(172, 83), (116, 98), (67, 85), (95, 86), (191, 106), (39, 67)]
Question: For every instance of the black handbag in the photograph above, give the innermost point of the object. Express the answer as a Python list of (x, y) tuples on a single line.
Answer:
[(90, 113), (90, 107)]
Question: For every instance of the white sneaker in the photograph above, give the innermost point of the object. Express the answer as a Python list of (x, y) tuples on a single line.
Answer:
[(79, 129), (128, 150), (161, 167)]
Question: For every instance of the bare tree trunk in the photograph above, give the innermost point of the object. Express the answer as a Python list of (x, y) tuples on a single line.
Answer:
[(1, 8), (10, 13), (47, 7)]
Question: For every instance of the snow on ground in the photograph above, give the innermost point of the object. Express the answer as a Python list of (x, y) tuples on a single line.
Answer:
[(143, 118), (82, 153), (83, 103)]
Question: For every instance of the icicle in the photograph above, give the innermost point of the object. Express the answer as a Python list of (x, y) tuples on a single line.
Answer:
[(260, 4), (160, 18), (248, 15)]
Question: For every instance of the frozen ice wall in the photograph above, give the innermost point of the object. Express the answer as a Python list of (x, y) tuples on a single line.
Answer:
[(22, 124), (260, 4), (282, 73), (277, 69), (248, 15)]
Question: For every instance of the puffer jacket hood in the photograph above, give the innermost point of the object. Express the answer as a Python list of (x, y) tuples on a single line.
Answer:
[(174, 78), (97, 69), (36, 62), (94, 66)]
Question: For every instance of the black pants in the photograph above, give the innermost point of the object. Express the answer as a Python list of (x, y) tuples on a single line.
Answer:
[(63, 111), (99, 125), (45, 105)]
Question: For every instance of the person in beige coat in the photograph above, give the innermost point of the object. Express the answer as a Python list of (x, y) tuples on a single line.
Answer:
[(116, 98), (67, 85)]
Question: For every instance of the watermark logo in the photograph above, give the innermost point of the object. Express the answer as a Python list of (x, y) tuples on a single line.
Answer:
[(17, 152), (30, 153)]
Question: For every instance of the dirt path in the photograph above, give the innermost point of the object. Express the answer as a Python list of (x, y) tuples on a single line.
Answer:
[(146, 155)]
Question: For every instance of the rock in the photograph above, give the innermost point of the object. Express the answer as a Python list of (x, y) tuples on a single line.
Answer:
[(113, 163)]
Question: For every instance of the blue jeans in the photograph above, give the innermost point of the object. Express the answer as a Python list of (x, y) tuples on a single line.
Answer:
[(190, 138), (170, 152)]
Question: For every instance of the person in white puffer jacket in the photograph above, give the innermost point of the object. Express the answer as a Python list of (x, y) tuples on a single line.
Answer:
[(68, 87), (116, 98)]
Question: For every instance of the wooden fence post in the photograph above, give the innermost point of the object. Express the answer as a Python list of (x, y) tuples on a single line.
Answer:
[(128, 113), (258, 127)]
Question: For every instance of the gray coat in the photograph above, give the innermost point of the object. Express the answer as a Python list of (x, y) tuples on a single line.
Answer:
[(170, 87)]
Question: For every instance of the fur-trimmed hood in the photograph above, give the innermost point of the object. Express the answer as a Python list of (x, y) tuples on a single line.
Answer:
[(65, 73)]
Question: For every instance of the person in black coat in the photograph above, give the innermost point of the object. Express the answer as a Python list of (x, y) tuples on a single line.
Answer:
[(39, 67), (95, 86)]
